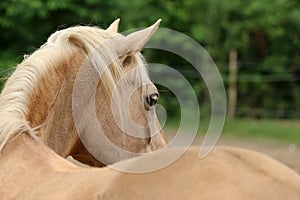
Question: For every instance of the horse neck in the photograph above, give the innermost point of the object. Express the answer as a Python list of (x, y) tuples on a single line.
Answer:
[(51, 107), (50, 110)]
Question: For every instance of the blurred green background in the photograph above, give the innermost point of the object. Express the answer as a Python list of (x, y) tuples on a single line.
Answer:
[(265, 35)]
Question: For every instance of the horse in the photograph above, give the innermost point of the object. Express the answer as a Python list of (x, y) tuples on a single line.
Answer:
[(31, 170), (38, 130), (39, 97)]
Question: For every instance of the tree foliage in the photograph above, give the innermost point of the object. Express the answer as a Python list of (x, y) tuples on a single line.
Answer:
[(265, 34)]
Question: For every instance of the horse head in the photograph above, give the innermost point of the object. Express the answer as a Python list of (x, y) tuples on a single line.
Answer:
[(115, 115)]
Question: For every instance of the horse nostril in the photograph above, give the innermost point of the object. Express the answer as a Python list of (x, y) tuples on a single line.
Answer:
[(152, 99)]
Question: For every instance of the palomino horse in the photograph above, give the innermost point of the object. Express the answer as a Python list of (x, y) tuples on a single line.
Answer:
[(37, 130), (37, 98), (31, 170)]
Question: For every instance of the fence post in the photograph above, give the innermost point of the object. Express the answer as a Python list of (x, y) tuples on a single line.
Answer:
[(232, 87)]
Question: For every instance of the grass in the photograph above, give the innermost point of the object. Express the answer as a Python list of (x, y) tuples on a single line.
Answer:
[(284, 131)]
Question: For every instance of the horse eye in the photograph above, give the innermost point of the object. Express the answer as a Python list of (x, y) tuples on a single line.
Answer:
[(127, 61)]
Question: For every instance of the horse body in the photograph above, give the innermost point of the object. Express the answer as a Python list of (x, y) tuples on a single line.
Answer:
[(26, 174), (226, 173), (30, 170)]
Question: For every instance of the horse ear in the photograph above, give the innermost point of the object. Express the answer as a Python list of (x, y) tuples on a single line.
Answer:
[(114, 26), (136, 40)]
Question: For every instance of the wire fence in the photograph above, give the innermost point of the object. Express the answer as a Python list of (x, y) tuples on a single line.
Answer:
[(260, 93), (283, 98)]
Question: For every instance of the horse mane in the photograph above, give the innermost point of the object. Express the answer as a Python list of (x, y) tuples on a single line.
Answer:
[(22, 85)]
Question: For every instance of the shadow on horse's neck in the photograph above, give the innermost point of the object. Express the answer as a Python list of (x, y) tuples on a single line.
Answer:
[(51, 107), (51, 110)]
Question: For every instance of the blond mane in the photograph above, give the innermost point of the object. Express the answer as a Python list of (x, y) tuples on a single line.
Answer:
[(21, 87)]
